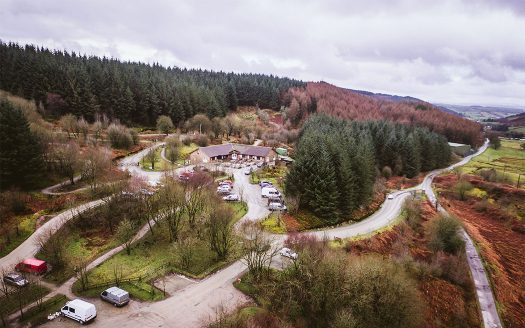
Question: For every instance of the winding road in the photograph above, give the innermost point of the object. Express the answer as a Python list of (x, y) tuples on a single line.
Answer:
[(196, 303)]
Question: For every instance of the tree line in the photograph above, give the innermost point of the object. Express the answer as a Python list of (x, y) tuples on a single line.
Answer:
[(337, 161), (320, 97), (133, 92)]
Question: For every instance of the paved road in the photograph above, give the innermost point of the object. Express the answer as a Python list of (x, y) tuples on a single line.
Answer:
[(199, 301), (485, 297), (30, 247), (49, 190)]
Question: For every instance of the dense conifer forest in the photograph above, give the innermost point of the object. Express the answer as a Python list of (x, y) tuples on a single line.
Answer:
[(134, 93), (320, 97), (337, 161)]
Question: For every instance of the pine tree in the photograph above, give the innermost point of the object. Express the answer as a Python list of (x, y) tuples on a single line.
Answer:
[(20, 152)]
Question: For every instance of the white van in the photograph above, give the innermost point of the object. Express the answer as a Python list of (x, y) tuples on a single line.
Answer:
[(270, 192), (115, 296), (79, 310)]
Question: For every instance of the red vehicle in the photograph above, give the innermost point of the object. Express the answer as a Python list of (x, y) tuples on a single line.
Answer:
[(32, 266)]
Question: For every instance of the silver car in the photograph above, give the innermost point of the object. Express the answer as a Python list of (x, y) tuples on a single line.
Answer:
[(15, 279)]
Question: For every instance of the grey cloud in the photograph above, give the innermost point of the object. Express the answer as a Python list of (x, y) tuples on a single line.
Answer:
[(466, 48)]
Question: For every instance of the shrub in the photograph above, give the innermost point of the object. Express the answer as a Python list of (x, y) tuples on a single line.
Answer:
[(444, 235), (202, 140), (412, 210), (119, 136), (462, 187), (386, 172)]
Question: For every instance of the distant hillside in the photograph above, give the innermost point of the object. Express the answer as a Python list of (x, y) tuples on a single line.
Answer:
[(514, 120), (480, 113), (325, 98)]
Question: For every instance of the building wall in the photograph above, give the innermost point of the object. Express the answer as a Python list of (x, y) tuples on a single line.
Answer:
[(198, 157)]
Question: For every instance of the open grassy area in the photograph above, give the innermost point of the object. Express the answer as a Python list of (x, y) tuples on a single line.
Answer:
[(155, 256), (37, 315), (27, 295), (163, 165), (273, 224), (26, 227), (508, 160), (87, 236), (520, 129)]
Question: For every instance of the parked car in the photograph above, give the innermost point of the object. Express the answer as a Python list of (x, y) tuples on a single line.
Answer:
[(116, 296), (32, 266), (231, 198), (286, 252), (15, 279), (264, 182), (224, 188), (79, 310), (248, 171), (260, 164), (277, 206), (226, 182), (390, 197), (270, 192)]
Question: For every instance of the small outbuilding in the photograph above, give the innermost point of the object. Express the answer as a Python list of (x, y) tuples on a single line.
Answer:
[(32, 266)]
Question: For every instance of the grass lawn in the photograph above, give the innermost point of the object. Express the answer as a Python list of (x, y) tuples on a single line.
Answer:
[(140, 290), (508, 159), (520, 129), (78, 247), (273, 224), (26, 227), (37, 315), (28, 294), (155, 256), (163, 165), (86, 237)]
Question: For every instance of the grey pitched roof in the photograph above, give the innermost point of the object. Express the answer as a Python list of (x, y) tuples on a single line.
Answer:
[(225, 149)]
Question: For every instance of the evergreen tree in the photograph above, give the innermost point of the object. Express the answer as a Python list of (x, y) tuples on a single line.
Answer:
[(20, 152)]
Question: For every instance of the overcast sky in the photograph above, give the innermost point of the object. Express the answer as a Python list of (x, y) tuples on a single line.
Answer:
[(448, 51)]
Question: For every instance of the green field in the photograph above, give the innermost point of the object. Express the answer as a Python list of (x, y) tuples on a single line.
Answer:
[(508, 161), (26, 227), (27, 295), (153, 257), (520, 129), (163, 165)]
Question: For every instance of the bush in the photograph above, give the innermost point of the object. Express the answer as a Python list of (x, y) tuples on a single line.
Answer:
[(412, 210), (120, 137), (462, 187), (376, 293), (386, 172), (202, 140), (444, 235)]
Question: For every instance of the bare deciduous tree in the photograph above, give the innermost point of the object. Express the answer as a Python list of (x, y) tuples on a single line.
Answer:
[(125, 234), (151, 157), (220, 230), (67, 159), (258, 249), (172, 198), (81, 272), (97, 162)]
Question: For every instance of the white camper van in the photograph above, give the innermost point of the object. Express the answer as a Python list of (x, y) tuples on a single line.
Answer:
[(115, 296), (270, 192), (79, 310)]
